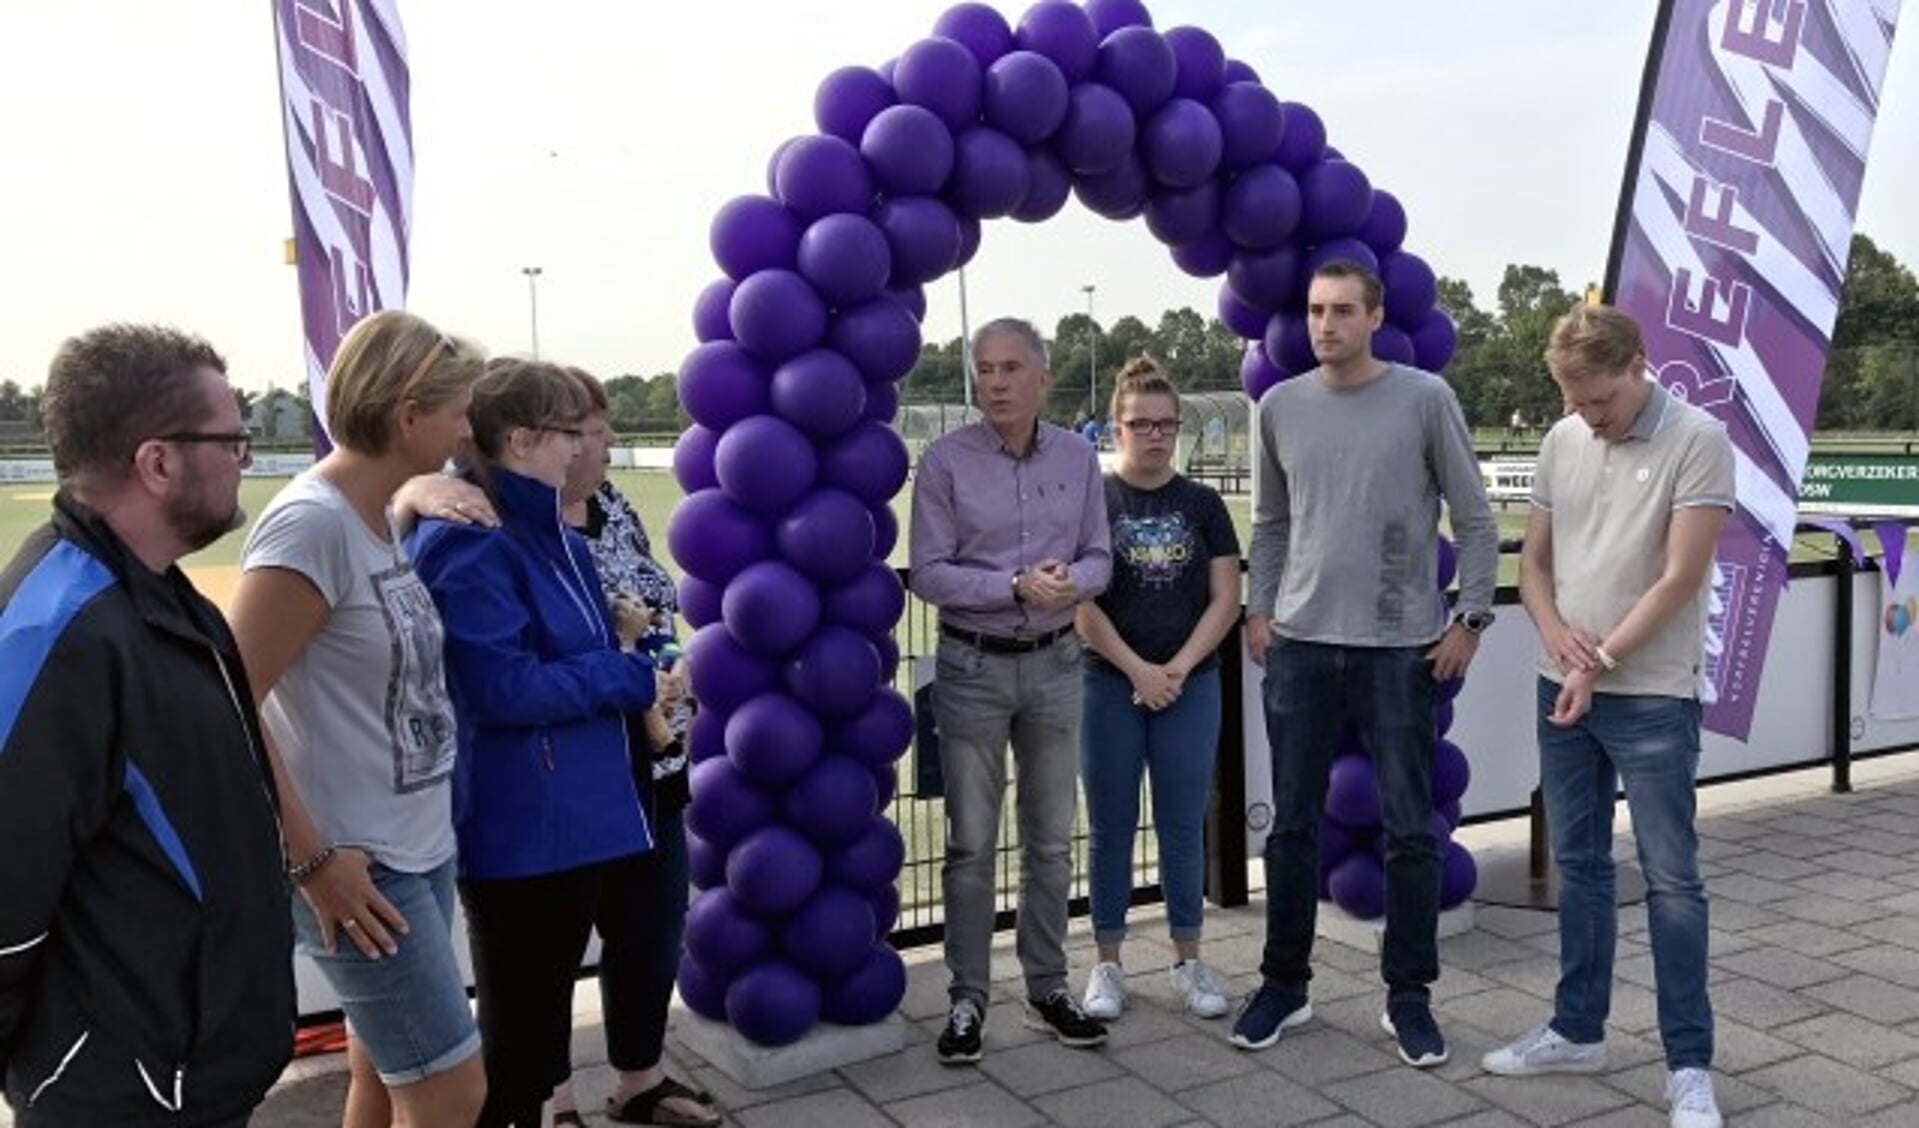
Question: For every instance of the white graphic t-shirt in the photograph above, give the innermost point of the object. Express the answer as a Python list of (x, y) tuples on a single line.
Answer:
[(362, 717)]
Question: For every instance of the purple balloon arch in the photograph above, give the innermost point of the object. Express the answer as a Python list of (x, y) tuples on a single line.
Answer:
[(790, 466)]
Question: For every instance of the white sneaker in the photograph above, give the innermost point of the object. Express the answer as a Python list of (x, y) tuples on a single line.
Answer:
[(1199, 987), (1689, 1095), (1105, 991), (1543, 1050)]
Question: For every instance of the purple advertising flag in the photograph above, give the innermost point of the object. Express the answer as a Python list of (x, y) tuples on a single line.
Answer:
[(344, 94), (1735, 226)]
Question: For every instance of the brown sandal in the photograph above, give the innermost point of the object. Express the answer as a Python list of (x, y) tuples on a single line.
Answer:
[(649, 1107)]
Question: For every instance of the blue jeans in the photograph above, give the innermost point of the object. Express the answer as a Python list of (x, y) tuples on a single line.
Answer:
[(1119, 740), (1310, 690), (1652, 744)]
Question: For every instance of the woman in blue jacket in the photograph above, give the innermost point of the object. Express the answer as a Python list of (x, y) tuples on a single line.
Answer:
[(541, 672)]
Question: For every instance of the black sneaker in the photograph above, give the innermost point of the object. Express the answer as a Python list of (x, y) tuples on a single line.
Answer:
[(1059, 1014), (1268, 1013), (959, 1043), (1411, 1024)]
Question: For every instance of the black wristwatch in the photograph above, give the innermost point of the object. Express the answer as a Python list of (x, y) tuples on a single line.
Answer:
[(1474, 621)]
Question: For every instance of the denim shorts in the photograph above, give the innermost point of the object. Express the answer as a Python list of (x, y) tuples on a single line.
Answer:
[(408, 1010)]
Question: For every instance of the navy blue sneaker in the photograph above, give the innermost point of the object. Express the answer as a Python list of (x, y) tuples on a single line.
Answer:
[(1268, 1013), (1411, 1024)]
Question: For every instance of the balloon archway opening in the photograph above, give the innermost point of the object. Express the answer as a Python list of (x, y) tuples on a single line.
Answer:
[(790, 465)]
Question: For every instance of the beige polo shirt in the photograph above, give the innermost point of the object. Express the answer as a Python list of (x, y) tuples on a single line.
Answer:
[(1611, 505)]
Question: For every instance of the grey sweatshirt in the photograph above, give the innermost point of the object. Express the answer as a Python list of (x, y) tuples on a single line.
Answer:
[(1346, 491)]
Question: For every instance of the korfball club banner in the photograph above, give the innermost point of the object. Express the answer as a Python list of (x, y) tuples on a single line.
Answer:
[(343, 88), (1734, 229)]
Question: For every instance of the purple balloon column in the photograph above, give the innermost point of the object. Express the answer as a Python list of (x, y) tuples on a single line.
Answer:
[(790, 466)]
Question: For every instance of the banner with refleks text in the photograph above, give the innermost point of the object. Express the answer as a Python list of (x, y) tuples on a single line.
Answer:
[(1734, 229), (344, 92)]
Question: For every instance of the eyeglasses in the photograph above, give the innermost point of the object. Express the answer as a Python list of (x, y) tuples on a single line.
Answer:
[(240, 444), (1150, 426)]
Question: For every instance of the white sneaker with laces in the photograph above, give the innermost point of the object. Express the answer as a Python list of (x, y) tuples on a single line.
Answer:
[(1105, 991), (1689, 1096), (1543, 1050), (1196, 984)]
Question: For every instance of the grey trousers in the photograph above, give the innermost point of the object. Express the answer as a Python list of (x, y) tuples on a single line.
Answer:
[(980, 702)]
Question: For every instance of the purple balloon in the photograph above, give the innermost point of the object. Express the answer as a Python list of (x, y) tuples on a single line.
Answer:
[(773, 870), (1205, 257), (1098, 132), (846, 258), (699, 600), (705, 862), (977, 27), (1181, 215), (725, 674), (1048, 185), (1385, 226), (829, 936), (770, 608), (709, 311), (1337, 842), (1289, 344), (706, 736), (835, 673), (753, 233), (889, 651), (1025, 96), (1443, 724), (834, 801), (869, 461), (882, 402), (886, 913), (1302, 136), (879, 734), (773, 1004), (1257, 372), (1120, 192), (720, 383), (773, 164), (722, 935), (1245, 320), (911, 298), (989, 173), (822, 175), (703, 991), (1109, 16), (1262, 207), (970, 228), (828, 536), (880, 337), (1451, 811), (871, 861), (870, 603), (1452, 772), (924, 235), (1358, 885), (773, 740), (1411, 289), (1337, 198), (776, 314), (1449, 689), (726, 807), (942, 75), (1249, 124), (1237, 71), (1458, 876), (1434, 341), (1182, 143), (910, 151), (1064, 33), (1352, 792), (1137, 62), (1448, 556), (1390, 343), (820, 392), (1202, 63), (1343, 249), (1267, 280), (693, 459), (871, 992), (848, 99), (886, 525), (714, 537), (886, 783), (764, 463)]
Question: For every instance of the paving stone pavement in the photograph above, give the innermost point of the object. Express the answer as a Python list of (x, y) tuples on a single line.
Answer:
[(1815, 927)]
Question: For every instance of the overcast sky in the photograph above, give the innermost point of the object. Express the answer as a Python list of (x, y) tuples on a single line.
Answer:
[(144, 176)]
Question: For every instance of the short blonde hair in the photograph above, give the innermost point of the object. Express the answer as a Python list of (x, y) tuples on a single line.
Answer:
[(386, 359), (1593, 340), (517, 392)]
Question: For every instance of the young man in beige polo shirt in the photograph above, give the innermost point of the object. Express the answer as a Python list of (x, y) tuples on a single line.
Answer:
[(1629, 496)]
